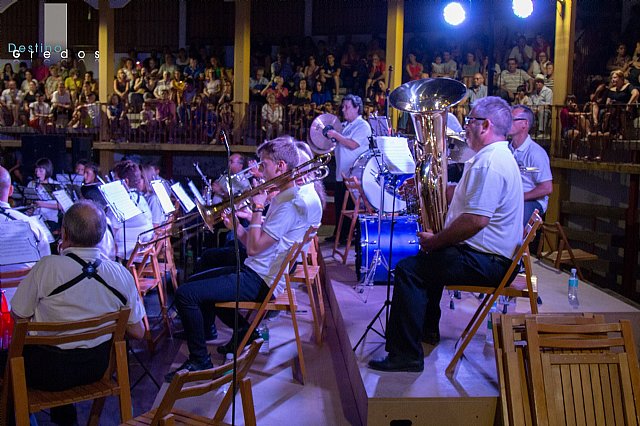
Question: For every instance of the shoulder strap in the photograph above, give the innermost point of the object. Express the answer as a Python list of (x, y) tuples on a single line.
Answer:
[(4, 212), (89, 270)]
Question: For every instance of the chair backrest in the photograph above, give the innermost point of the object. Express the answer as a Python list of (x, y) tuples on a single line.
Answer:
[(512, 364), (143, 254), (13, 278), (583, 374), (522, 252), (307, 243), (208, 380), (354, 190), (57, 333)]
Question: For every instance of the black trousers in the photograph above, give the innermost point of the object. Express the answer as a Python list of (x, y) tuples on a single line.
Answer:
[(418, 285)]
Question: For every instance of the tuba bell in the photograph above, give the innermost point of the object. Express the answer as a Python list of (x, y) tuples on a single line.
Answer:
[(428, 101)]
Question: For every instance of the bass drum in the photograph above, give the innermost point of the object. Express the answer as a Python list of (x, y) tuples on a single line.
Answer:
[(405, 243), (366, 169)]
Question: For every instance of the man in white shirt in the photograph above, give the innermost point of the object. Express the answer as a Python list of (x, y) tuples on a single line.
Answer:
[(541, 99), (482, 232), (11, 99), (513, 77), (533, 162), (350, 144)]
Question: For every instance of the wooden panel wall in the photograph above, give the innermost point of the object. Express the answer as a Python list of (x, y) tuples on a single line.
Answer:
[(275, 19), (210, 22), (146, 25), (18, 25), (349, 17)]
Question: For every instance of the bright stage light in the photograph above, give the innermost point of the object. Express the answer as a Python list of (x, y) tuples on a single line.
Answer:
[(522, 8), (454, 13)]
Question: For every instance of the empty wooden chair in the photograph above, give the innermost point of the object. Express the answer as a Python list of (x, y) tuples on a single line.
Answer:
[(284, 302), (187, 384), (560, 250), (492, 294), (583, 374), (143, 265), (114, 382), (362, 206)]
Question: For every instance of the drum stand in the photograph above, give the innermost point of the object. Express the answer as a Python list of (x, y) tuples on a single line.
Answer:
[(378, 258)]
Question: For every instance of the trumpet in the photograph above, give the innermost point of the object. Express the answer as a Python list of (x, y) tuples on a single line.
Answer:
[(240, 181), (310, 171)]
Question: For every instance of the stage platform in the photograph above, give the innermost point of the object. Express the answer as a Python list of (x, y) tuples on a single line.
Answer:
[(430, 397)]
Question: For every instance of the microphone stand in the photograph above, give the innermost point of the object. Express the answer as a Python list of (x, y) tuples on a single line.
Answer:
[(238, 266)]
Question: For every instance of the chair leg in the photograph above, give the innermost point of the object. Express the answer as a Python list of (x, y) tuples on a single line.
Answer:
[(477, 321), (318, 286), (96, 410), (248, 409), (294, 320), (352, 227), (474, 317), (314, 309), (337, 233)]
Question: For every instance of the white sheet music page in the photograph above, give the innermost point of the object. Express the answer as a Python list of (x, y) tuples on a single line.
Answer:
[(186, 202), (396, 155), (63, 199), (39, 222), (163, 196), (119, 201), (17, 243), (196, 193)]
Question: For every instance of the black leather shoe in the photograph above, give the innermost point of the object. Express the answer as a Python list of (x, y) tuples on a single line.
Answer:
[(431, 338), (190, 365), (228, 347), (396, 364)]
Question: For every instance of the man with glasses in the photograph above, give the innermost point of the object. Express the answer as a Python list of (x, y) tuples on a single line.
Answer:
[(532, 160), (482, 232)]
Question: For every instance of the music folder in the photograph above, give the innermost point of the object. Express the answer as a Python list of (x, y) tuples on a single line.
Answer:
[(63, 199), (118, 200), (161, 192), (185, 201)]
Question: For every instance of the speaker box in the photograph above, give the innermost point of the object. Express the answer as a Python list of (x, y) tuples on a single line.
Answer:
[(81, 149), (35, 147)]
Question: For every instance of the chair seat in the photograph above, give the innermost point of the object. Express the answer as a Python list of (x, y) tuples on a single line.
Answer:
[(42, 400), (179, 417), (298, 274), (517, 288), (147, 284), (578, 254), (281, 303)]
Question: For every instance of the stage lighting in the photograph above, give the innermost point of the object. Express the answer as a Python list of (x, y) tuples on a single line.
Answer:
[(454, 13), (522, 8)]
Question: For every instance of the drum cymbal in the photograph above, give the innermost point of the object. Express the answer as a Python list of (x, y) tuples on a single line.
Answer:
[(319, 142), (459, 151)]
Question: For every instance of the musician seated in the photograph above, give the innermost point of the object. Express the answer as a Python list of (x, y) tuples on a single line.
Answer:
[(7, 214), (267, 243), (126, 233), (91, 173), (481, 233), (61, 288), (48, 209), (237, 163)]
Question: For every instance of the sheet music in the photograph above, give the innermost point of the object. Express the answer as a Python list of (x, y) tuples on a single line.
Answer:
[(396, 155), (119, 201), (185, 201), (163, 196), (17, 243), (37, 221), (63, 199), (196, 193)]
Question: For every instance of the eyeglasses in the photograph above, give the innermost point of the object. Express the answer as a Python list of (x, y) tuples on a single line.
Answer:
[(519, 119), (468, 119)]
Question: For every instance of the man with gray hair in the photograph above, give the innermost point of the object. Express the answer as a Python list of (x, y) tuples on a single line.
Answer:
[(481, 233), (76, 285)]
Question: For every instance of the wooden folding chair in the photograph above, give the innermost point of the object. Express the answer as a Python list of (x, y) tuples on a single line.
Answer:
[(512, 364), (114, 382), (583, 374), (308, 272), (560, 250), (193, 384), (361, 206), (492, 294), (284, 302), (143, 265)]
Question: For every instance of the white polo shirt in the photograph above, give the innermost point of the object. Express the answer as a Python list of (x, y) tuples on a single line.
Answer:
[(491, 186), (358, 130), (530, 154)]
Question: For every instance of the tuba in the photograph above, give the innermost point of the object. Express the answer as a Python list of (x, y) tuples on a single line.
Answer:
[(312, 170), (428, 101)]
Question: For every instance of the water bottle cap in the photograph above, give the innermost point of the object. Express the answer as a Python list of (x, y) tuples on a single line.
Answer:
[(573, 270), (229, 356)]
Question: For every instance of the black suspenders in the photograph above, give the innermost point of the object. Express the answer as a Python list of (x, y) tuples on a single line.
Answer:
[(4, 212), (89, 270)]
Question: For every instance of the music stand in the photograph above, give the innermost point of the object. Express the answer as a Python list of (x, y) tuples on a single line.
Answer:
[(399, 164), (185, 201), (117, 198)]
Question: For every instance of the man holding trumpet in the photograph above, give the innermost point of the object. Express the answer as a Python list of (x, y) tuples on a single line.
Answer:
[(266, 241), (482, 230)]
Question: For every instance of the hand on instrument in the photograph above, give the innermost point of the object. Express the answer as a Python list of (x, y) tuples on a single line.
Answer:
[(227, 220), (426, 241), (333, 135), (259, 198), (244, 213)]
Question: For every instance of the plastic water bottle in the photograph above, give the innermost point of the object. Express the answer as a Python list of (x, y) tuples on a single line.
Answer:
[(489, 335), (264, 335), (572, 290), (228, 358)]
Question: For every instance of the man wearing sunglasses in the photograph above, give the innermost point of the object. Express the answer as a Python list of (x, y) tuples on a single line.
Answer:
[(481, 233)]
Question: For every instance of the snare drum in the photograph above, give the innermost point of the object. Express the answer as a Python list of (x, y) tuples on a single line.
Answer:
[(405, 243), (366, 169)]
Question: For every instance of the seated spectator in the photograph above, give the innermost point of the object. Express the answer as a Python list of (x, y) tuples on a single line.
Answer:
[(215, 67), (117, 115), (92, 82), (521, 97), (121, 85), (348, 63), (620, 98), (30, 94), (541, 45), (281, 68), (7, 73), (302, 95), (272, 116), (212, 86), (548, 75), (45, 296), (80, 118), (413, 68), (51, 84), (39, 70), (224, 120), (469, 69), (620, 60), (226, 94), (522, 52), (541, 100), (93, 109), (633, 68), (194, 69), (178, 85), (61, 105), (330, 75), (148, 122), (437, 67), (279, 90), (10, 102), (258, 83), (450, 66), (512, 78), (129, 70), (168, 65), (574, 125), (311, 71), (538, 65), (320, 95), (39, 114), (142, 90), (73, 83), (162, 85), (28, 78), (166, 114), (377, 71), (182, 60)]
